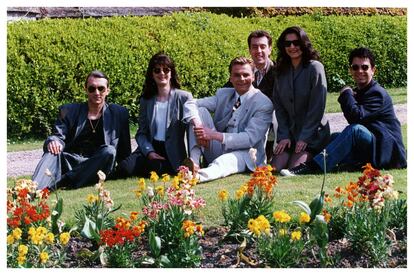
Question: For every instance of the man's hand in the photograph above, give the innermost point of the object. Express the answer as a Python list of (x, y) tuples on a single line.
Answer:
[(153, 155), (300, 146), (281, 146), (54, 147)]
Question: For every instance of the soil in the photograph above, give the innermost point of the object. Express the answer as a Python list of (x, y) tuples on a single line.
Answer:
[(220, 254)]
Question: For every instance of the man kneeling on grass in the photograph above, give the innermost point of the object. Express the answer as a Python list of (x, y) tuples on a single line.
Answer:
[(374, 132), (86, 138)]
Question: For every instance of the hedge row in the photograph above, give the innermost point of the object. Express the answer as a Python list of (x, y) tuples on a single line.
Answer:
[(277, 11), (48, 60)]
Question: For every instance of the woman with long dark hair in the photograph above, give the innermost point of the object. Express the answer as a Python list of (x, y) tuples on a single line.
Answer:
[(161, 132), (299, 98)]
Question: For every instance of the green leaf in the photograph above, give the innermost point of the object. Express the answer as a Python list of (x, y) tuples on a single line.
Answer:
[(316, 205), (303, 205), (89, 230), (155, 244), (56, 213)]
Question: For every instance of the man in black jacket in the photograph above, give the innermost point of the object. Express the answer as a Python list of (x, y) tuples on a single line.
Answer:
[(87, 137), (374, 132)]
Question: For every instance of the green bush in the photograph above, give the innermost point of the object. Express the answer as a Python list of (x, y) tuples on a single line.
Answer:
[(48, 60)]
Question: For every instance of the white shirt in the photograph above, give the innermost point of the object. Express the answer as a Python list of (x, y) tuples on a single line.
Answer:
[(161, 109)]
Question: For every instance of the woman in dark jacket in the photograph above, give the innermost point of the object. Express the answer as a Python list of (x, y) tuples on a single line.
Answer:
[(161, 132), (299, 98)]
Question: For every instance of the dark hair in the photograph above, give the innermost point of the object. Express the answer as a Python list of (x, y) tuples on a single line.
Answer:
[(362, 53), (283, 61), (258, 34), (150, 87), (241, 60), (97, 74)]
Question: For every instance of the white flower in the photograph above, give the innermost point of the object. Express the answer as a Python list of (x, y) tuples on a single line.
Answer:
[(252, 154), (150, 192), (101, 176)]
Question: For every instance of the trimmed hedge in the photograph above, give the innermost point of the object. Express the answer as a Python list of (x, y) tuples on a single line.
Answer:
[(48, 60)]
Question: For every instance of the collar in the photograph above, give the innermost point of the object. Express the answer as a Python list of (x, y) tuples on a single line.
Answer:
[(265, 68)]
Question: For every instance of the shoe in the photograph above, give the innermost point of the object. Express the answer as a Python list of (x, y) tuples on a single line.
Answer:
[(191, 165), (301, 169)]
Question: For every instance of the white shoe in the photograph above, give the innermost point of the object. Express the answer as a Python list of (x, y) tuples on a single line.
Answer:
[(286, 173)]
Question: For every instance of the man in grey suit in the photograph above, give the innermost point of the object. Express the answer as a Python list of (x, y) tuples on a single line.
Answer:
[(242, 116), (86, 138)]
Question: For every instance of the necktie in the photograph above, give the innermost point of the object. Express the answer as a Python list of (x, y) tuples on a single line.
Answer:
[(237, 104)]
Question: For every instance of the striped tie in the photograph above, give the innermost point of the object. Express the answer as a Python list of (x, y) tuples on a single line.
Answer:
[(237, 104)]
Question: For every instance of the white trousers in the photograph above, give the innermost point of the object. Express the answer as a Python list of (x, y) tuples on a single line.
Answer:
[(220, 163)]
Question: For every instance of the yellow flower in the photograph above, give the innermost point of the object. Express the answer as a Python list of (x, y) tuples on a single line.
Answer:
[(281, 216), (188, 227), (21, 260), (17, 233), (296, 235), (92, 198), (223, 195), (154, 177), (264, 224), (64, 238), (304, 218), (43, 257), (31, 231), (50, 238), (141, 184), (175, 183), (165, 178), (10, 239), (138, 193), (160, 190), (253, 226), (23, 250)]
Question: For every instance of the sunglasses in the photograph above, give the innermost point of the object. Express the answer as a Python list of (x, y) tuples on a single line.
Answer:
[(158, 70), (92, 89), (287, 43), (356, 67)]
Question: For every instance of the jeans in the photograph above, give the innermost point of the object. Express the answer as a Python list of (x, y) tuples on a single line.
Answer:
[(353, 145)]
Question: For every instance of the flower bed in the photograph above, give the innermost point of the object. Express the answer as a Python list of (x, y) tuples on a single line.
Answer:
[(362, 224)]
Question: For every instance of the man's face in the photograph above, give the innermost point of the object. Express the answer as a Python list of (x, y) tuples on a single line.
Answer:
[(259, 50), (361, 71), (242, 78), (97, 90)]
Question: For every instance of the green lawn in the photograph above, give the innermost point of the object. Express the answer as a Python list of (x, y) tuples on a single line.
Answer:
[(287, 190), (399, 96)]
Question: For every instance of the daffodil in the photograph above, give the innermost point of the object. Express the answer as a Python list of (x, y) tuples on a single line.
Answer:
[(304, 217), (223, 195), (296, 235)]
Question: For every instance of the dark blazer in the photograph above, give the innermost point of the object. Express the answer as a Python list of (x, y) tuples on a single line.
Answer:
[(266, 85), (299, 99), (73, 117), (176, 129), (372, 107)]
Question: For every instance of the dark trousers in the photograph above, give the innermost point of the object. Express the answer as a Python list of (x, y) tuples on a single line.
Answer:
[(139, 165), (72, 169)]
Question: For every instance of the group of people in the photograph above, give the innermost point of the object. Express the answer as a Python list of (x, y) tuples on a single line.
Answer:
[(276, 108)]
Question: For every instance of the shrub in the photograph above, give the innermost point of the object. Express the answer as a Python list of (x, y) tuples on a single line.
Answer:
[(48, 60)]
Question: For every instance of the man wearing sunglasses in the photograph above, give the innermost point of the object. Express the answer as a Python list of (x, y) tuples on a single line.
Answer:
[(374, 132), (86, 138), (242, 116)]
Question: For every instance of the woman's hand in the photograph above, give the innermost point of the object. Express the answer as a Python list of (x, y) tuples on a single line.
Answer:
[(300, 146), (282, 145), (153, 155)]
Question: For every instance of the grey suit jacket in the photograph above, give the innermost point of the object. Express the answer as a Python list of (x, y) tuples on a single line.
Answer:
[(176, 128), (255, 119), (73, 117), (299, 98)]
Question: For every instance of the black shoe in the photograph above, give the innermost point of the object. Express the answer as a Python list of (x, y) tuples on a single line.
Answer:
[(301, 169)]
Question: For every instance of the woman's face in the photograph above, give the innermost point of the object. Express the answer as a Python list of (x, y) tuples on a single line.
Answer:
[(161, 75), (292, 46)]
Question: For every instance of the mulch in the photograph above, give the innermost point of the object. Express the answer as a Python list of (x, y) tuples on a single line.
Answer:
[(218, 253)]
